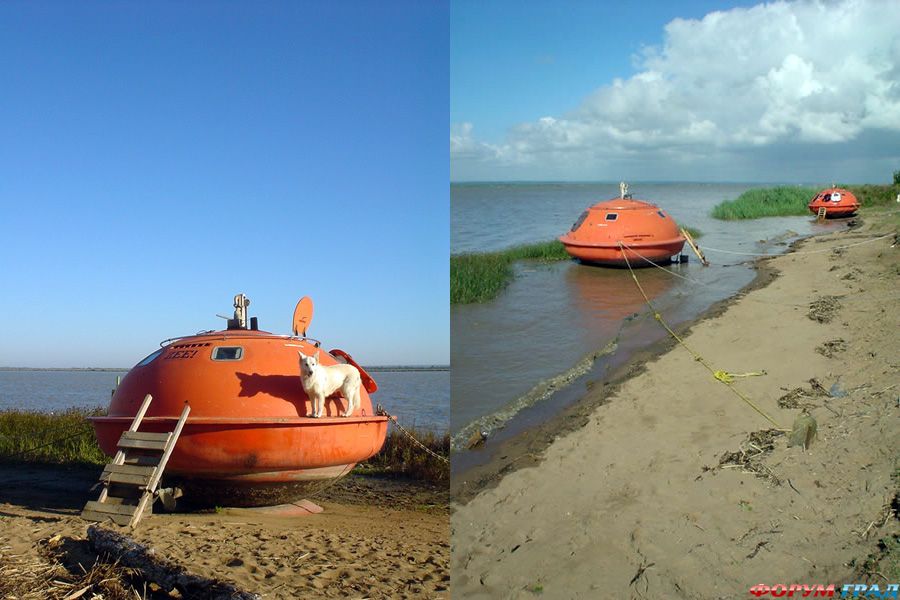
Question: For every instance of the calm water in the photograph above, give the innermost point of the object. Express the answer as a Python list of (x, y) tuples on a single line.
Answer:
[(553, 316), (54, 391), (420, 398)]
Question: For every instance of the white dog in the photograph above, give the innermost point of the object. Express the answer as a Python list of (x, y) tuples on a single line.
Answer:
[(320, 381)]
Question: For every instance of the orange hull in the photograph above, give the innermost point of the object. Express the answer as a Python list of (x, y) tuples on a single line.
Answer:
[(249, 432), (609, 231), (607, 255), (837, 202)]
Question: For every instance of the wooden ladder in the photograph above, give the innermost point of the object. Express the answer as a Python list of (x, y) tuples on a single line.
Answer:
[(821, 214), (135, 472)]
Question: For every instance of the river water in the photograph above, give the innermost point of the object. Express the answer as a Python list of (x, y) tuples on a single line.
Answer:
[(545, 330)]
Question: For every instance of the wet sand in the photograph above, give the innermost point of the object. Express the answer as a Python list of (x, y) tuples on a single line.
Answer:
[(625, 497), (377, 538)]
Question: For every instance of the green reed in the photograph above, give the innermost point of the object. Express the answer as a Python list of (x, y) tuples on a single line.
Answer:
[(875, 195), (793, 200), (779, 201), (65, 437), (403, 456), (478, 277), (695, 233)]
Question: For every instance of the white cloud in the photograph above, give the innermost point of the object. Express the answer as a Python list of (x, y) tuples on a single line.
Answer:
[(808, 72), (463, 145)]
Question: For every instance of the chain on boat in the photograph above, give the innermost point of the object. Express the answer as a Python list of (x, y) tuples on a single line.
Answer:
[(380, 411)]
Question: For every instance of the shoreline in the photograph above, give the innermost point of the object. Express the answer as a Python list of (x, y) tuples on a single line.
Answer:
[(522, 449), (636, 476)]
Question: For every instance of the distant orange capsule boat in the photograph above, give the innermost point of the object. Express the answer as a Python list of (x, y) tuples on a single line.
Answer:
[(607, 230), (250, 438), (834, 202)]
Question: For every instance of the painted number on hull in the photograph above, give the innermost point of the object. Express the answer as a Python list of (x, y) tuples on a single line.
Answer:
[(182, 354)]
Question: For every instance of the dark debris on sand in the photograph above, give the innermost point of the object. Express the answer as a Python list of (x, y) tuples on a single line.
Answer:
[(824, 309), (832, 347), (749, 456), (794, 398)]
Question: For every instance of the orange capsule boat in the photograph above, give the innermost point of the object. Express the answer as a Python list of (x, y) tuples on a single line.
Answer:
[(834, 202), (250, 438), (607, 230)]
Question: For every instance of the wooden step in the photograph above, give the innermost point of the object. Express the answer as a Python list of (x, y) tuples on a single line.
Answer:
[(150, 460), (128, 474), (138, 440), (120, 514), (134, 473)]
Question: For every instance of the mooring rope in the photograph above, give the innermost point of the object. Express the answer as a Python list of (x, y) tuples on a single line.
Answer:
[(721, 376), (326, 485), (800, 253), (703, 283), (380, 411)]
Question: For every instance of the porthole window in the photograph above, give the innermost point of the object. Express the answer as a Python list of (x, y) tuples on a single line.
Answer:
[(580, 220), (227, 353), (150, 358), (612, 216), (660, 213)]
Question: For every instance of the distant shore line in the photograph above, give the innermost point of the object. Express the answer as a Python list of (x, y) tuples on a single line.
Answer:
[(373, 369)]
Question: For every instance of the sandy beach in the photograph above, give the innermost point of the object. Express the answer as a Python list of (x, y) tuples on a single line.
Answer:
[(675, 488), (377, 537)]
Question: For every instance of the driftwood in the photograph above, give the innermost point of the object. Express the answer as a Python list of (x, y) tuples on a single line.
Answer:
[(163, 573)]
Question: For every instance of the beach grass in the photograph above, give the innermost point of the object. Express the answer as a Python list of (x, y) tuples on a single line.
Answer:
[(67, 438), (875, 195), (695, 233), (50, 438), (785, 201), (781, 201), (481, 276), (400, 455), (546, 251)]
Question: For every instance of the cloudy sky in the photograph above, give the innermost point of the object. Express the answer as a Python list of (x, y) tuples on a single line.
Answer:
[(805, 91)]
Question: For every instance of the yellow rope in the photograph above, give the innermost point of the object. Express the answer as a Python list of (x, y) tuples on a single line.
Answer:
[(726, 377), (722, 376)]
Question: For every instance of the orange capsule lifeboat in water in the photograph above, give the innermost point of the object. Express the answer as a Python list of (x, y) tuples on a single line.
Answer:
[(607, 229), (250, 438), (837, 202)]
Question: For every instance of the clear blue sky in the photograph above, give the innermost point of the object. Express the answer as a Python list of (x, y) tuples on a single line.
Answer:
[(158, 158), (798, 90)]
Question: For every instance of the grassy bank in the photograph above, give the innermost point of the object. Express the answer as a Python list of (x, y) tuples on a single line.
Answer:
[(765, 202), (478, 277), (785, 201), (67, 438), (875, 195), (401, 455), (58, 438)]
